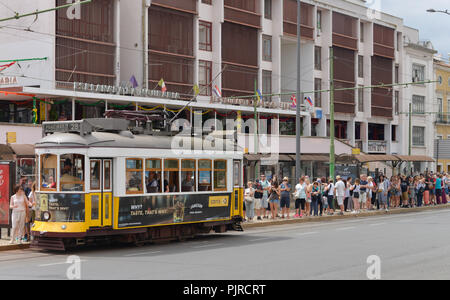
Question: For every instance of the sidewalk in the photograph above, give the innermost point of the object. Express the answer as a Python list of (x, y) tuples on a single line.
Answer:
[(324, 218), (5, 245)]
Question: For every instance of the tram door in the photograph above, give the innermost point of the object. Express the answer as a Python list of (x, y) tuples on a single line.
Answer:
[(99, 202), (237, 196)]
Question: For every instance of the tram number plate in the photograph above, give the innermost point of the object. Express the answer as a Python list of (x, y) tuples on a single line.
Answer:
[(218, 201)]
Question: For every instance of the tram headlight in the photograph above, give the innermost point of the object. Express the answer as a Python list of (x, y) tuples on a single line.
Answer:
[(46, 215)]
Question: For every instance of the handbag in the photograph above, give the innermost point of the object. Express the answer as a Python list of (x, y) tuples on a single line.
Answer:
[(249, 199)]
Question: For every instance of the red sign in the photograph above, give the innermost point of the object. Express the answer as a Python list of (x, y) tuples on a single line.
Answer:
[(4, 195)]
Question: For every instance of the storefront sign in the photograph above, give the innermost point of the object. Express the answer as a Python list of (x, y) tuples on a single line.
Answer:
[(11, 137), (251, 102), (4, 195), (125, 90), (8, 80)]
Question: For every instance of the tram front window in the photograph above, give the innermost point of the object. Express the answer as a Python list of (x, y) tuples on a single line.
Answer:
[(72, 172), (48, 171)]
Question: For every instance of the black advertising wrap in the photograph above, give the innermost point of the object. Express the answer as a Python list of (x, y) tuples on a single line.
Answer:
[(170, 209)]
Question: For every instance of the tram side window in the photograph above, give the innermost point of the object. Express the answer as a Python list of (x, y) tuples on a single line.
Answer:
[(72, 172), (48, 171), (220, 175), (188, 175), (153, 176), (204, 175), (171, 176), (134, 176)]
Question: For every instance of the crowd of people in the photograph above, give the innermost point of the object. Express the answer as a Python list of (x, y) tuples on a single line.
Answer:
[(265, 198)]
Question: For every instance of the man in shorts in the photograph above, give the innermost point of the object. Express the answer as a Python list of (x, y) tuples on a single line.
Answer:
[(340, 193), (363, 185)]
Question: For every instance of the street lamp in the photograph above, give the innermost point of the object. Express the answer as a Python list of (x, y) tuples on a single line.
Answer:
[(431, 10)]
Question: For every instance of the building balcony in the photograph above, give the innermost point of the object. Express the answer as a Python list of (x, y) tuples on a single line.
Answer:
[(442, 120)]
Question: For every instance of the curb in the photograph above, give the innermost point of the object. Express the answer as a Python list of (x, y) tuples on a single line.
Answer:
[(14, 247), (396, 211)]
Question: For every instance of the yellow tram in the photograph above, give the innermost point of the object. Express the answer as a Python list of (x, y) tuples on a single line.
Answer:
[(98, 181)]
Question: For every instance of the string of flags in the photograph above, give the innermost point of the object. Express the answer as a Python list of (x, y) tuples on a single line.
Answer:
[(3, 67), (307, 100)]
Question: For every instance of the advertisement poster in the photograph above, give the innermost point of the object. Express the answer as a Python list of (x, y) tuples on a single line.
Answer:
[(170, 209), (4, 195), (347, 171)]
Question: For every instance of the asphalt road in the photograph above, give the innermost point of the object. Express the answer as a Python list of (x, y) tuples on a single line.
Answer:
[(409, 246)]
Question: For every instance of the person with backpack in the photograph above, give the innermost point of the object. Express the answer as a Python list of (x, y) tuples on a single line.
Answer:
[(330, 197), (285, 196), (356, 190)]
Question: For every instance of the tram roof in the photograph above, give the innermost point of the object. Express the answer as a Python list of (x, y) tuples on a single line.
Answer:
[(124, 139)]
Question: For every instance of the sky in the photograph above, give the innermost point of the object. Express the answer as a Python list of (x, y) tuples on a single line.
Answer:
[(432, 26)]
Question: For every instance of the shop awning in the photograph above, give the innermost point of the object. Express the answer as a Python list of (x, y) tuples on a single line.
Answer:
[(421, 158), (313, 157), (255, 157), (363, 158), (23, 149)]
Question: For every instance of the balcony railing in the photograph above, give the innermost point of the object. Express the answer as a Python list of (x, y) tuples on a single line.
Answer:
[(442, 119)]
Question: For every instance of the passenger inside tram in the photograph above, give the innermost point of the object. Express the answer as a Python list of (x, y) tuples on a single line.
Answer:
[(188, 184), (152, 181), (50, 183)]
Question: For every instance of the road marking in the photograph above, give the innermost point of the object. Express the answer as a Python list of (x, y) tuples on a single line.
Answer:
[(209, 245), (260, 239), (306, 233), (58, 263), (345, 228), (142, 253), (377, 224)]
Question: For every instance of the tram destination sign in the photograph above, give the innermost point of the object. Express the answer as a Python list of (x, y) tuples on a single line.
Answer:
[(64, 126)]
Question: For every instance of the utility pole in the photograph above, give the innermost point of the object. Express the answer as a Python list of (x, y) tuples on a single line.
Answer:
[(298, 169), (409, 134), (332, 159), (255, 138)]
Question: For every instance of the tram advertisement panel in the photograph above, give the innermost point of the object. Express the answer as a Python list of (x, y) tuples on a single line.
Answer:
[(162, 209), (4, 195)]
